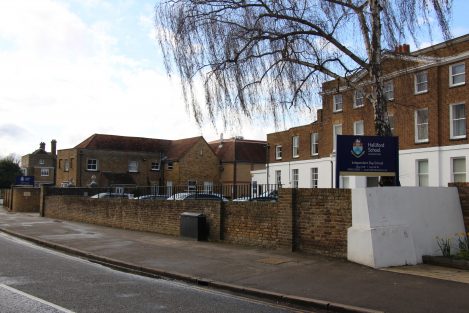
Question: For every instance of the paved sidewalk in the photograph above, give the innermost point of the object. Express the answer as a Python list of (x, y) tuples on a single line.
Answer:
[(278, 274)]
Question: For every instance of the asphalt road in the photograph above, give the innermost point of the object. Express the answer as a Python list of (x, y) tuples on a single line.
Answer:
[(34, 279)]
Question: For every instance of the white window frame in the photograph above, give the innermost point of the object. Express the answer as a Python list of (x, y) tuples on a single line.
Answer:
[(418, 126), (45, 172), (420, 175), (295, 146), (452, 120), (314, 177), (155, 165), (453, 173), (278, 177), (92, 165), (355, 126), (314, 143), (132, 166), (358, 98), (278, 152), (452, 75), (295, 178), (334, 135), (419, 83), (66, 165), (42, 162), (170, 164), (338, 106), (388, 90)]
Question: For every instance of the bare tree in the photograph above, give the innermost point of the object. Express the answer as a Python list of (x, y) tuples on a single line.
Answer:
[(257, 56)]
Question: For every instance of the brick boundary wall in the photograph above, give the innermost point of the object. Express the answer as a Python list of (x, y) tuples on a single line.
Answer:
[(322, 217), (463, 190), (161, 217), (24, 199), (251, 224), (306, 220), (6, 194)]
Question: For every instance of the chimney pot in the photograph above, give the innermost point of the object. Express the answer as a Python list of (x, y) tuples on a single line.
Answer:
[(42, 146)]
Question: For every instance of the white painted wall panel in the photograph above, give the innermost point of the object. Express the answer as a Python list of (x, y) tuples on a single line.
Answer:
[(402, 222), (439, 159)]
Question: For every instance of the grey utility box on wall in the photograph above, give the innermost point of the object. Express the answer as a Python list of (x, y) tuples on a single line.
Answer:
[(193, 225)]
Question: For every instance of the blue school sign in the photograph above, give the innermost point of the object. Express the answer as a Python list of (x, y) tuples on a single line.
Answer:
[(25, 180), (367, 156)]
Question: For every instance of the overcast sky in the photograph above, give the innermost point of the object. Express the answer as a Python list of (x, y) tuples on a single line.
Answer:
[(72, 68)]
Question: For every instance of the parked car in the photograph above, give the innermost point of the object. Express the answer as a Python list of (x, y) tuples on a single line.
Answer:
[(256, 199), (264, 199), (152, 197), (268, 196), (198, 196), (112, 195)]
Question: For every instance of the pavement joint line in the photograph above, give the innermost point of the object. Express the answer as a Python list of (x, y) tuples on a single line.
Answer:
[(159, 273)]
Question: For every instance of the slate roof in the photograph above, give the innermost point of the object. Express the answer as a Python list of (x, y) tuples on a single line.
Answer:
[(178, 148), (239, 150), (124, 143), (173, 149)]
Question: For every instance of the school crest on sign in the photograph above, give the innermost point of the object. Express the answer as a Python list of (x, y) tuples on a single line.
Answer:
[(357, 148)]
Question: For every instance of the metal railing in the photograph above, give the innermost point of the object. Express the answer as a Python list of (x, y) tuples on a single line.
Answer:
[(225, 192)]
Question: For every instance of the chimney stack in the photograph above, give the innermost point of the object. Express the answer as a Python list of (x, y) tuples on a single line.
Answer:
[(53, 147), (402, 49), (42, 146)]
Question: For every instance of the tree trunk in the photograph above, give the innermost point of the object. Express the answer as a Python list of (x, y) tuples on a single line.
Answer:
[(377, 97)]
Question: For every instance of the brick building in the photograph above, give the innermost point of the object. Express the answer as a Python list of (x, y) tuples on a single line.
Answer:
[(427, 94), (108, 160), (41, 164), (238, 157)]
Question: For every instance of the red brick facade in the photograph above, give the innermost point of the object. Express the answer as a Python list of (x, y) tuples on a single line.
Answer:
[(117, 160), (400, 70)]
